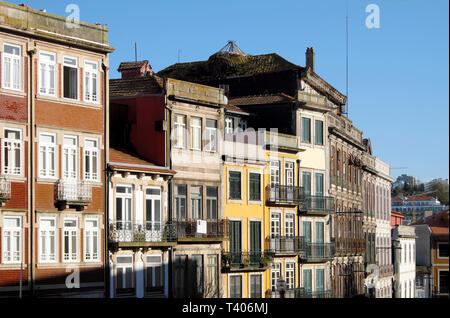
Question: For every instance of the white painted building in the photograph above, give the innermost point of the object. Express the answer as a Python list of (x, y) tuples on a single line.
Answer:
[(404, 244)]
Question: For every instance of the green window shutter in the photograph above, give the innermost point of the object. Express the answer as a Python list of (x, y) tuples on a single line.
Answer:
[(307, 182), (306, 124), (307, 280), (235, 185), (319, 232), (320, 280), (307, 231), (319, 132), (319, 184)]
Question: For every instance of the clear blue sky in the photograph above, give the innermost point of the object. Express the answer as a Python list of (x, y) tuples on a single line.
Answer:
[(398, 73)]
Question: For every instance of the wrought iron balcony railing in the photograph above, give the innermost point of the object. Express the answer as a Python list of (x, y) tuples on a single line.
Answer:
[(193, 229), (318, 204), (346, 245), (287, 244), (301, 293), (246, 260), (74, 192), (281, 194), (123, 231), (5, 190), (318, 252), (318, 294)]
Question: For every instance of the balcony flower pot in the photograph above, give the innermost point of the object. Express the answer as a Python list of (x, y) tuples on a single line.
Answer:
[(265, 261), (245, 262)]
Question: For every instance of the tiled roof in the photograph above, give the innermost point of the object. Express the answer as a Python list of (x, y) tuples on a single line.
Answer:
[(439, 223), (261, 99), (131, 65), (397, 214), (235, 109), (123, 159), (415, 198), (136, 86), (225, 65)]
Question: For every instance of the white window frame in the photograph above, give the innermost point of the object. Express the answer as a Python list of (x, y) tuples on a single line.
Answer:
[(45, 88), (70, 230), (229, 122), (17, 143), (47, 156), (87, 232), (286, 270), (13, 59), (91, 151), (125, 266), (286, 170), (198, 129), (78, 77), (275, 172), (291, 215), (153, 198), (125, 196), (276, 267), (273, 227), (180, 132), (55, 238), (154, 265), (68, 174), (210, 133), (89, 74), (12, 233)]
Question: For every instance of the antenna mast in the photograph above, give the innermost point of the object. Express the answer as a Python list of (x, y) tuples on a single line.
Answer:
[(346, 29)]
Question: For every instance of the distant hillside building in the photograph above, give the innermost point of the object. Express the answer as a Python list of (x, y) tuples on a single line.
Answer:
[(429, 185), (407, 179), (420, 206)]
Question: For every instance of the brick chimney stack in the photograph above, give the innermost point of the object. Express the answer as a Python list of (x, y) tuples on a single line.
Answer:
[(135, 69), (310, 58)]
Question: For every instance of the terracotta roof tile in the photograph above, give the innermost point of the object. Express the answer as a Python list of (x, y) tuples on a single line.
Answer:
[(119, 158), (439, 223), (235, 109), (261, 99), (136, 86)]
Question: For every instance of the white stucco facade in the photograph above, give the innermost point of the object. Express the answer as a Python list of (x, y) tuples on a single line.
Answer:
[(405, 261)]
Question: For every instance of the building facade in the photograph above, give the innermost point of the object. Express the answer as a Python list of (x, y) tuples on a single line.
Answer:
[(416, 208), (53, 123), (404, 259)]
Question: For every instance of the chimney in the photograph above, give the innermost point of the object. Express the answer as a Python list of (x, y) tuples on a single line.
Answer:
[(135, 69), (310, 58)]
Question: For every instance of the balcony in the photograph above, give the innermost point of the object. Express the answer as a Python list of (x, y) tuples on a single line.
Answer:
[(142, 233), (5, 190), (278, 141), (318, 252), (284, 245), (200, 230), (386, 270), (74, 194), (301, 293), (246, 261), (317, 205), (285, 195), (350, 246), (318, 294)]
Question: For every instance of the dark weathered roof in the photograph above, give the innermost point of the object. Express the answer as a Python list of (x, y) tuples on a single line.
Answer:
[(126, 160), (235, 109), (136, 86), (131, 65), (262, 99), (226, 65)]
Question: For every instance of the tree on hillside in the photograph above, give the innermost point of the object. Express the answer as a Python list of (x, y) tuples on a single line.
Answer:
[(442, 192)]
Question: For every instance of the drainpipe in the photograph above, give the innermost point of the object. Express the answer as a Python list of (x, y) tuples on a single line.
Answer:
[(30, 179), (106, 178)]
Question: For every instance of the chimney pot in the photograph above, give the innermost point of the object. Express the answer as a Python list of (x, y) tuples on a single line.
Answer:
[(310, 58)]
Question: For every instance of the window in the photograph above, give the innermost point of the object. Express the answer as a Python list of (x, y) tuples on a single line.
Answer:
[(153, 209), (255, 286), (235, 185), (124, 207), (289, 173), (275, 275), (229, 125), (91, 237), (254, 187), (12, 152), (235, 239), (47, 240), (307, 280), (196, 202), (180, 279), (274, 173), (70, 240), (290, 275), (307, 231), (154, 273), (289, 228), (47, 73), (320, 232), (319, 184), (70, 157), (12, 240), (196, 133), (211, 135), (275, 222), (180, 139), (320, 276), (12, 67), (47, 150), (196, 263), (91, 82), (442, 250), (443, 282), (235, 286), (306, 176), (124, 275), (306, 124), (319, 132), (212, 276), (180, 201), (211, 203), (70, 81), (91, 161)]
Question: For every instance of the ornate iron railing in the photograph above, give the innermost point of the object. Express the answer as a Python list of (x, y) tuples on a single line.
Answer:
[(318, 203), (289, 293), (206, 229), (74, 191), (122, 231), (233, 260), (318, 251), (286, 244), (350, 245), (282, 194), (5, 189)]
